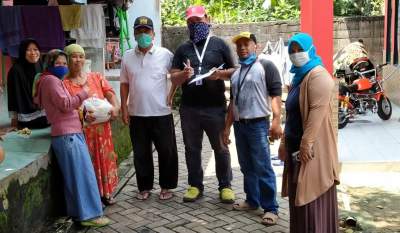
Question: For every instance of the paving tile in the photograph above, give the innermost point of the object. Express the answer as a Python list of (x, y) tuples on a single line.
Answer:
[(206, 215), (183, 230), (163, 230), (202, 229)]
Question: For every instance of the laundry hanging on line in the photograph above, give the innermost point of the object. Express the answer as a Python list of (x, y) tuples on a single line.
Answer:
[(70, 16), (278, 54), (36, 24), (19, 22), (92, 30), (10, 29)]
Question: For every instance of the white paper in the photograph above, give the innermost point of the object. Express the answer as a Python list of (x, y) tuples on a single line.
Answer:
[(206, 75), (203, 76)]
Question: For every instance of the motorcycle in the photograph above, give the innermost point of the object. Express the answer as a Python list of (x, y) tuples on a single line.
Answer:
[(360, 91)]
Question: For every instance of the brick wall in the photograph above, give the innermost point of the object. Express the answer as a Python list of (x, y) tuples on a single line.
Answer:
[(346, 30), (392, 85)]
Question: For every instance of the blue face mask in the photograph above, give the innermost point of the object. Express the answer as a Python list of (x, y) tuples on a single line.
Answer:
[(246, 61), (59, 71), (144, 40)]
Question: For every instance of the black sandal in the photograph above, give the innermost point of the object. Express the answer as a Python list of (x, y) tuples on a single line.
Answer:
[(108, 201)]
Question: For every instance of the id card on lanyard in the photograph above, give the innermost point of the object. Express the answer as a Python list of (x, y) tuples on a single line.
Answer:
[(201, 57), (241, 82)]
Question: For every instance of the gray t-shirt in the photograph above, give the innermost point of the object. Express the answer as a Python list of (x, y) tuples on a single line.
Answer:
[(261, 82)]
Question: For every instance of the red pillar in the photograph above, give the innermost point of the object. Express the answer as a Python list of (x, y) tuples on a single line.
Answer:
[(5, 65), (317, 20)]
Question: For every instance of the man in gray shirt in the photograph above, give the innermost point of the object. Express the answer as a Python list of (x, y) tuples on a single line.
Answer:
[(256, 91)]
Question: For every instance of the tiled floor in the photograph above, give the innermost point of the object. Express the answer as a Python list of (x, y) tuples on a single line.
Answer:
[(369, 139), (20, 151)]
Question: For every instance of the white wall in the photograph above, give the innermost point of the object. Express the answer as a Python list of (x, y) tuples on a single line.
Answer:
[(149, 8)]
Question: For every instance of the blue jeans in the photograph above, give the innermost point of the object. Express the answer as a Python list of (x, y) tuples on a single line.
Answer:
[(255, 163)]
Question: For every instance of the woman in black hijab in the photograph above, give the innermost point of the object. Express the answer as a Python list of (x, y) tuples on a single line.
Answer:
[(22, 110)]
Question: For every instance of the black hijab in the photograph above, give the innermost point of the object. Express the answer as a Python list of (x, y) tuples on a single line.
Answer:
[(20, 81), (31, 69)]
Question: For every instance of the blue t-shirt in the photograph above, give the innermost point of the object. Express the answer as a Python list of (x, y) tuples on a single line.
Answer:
[(293, 126)]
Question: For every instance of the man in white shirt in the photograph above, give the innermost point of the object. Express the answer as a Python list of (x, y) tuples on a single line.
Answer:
[(144, 79)]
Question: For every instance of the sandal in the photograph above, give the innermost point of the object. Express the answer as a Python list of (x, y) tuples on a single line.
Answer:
[(243, 206), (143, 195), (96, 222), (269, 219), (166, 194), (107, 201)]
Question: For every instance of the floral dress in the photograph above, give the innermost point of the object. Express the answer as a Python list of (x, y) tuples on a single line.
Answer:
[(99, 138)]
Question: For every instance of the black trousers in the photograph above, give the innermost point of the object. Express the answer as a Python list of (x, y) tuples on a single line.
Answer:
[(38, 123), (159, 130), (194, 122)]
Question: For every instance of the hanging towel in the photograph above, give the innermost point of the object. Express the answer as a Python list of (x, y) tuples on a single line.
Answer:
[(278, 54), (44, 24), (70, 16), (10, 29), (92, 30), (7, 2)]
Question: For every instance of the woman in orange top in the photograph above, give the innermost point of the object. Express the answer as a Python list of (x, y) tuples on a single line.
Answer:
[(98, 136)]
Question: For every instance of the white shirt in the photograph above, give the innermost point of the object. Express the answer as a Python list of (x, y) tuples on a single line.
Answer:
[(147, 79)]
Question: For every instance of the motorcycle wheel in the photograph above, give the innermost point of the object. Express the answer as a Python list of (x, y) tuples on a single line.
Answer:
[(384, 108), (342, 120)]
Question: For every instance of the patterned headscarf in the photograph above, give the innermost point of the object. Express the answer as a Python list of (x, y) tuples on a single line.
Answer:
[(51, 58), (198, 31)]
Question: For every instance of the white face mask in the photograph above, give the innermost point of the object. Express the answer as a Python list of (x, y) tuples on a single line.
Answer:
[(300, 59)]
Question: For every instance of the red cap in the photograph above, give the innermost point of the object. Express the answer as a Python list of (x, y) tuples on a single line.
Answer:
[(195, 11)]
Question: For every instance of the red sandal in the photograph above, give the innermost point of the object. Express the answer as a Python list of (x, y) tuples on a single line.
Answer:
[(143, 195)]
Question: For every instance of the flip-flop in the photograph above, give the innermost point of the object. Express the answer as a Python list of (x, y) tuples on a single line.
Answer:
[(166, 195), (96, 222), (144, 195), (108, 201), (269, 219)]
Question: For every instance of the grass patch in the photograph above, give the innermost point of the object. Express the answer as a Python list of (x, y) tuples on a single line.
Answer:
[(121, 139), (177, 98)]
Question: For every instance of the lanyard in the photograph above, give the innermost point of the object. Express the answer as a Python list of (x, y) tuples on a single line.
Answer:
[(201, 57), (241, 82)]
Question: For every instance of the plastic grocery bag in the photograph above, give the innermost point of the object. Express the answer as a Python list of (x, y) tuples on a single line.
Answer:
[(98, 108)]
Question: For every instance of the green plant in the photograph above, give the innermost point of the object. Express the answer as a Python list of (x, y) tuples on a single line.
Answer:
[(177, 98), (284, 10), (121, 139), (173, 12), (358, 7), (228, 11), (244, 11)]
